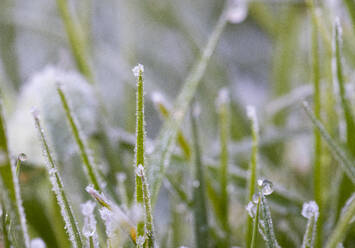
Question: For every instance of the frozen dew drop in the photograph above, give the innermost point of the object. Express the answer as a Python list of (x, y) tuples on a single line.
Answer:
[(265, 186), (310, 209), (137, 70), (37, 243), (237, 11), (22, 157), (251, 208)]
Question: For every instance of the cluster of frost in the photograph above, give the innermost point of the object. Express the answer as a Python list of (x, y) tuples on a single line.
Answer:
[(310, 209), (89, 228), (40, 91)]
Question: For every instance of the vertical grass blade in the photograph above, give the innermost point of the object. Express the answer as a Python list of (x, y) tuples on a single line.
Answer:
[(140, 136), (11, 189), (76, 40), (343, 224), (199, 198), (310, 210), (271, 241), (255, 225), (338, 153), (149, 224), (223, 113), (89, 165), (253, 167), (160, 159), (71, 225), (317, 166)]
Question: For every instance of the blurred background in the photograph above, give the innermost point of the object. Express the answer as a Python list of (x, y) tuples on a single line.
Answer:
[(264, 61)]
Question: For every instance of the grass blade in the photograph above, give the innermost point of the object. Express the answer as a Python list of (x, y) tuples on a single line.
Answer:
[(337, 151), (253, 167), (57, 185), (11, 189), (255, 225), (199, 198), (271, 241), (160, 159), (76, 40), (343, 224), (90, 169), (310, 211), (223, 112)]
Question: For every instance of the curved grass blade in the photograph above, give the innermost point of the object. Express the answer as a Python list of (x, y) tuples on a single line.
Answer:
[(11, 189), (76, 40), (343, 224), (338, 153), (199, 198), (90, 169), (253, 167), (160, 159), (57, 185)]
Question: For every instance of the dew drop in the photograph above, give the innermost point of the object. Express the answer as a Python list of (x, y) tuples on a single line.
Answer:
[(237, 11), (310, 209), (22, 157), (140, 170), (255, 198), (266, 186)]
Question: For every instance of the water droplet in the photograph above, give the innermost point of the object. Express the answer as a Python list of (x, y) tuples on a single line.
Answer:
[(310, 209), (37, 243), (251, 208), (22, 157), (237, 11), (137, 70), (266, 186)]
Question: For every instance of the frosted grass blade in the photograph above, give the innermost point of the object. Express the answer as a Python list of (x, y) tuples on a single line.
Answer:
[(343, 224), (76, 40), (11, 189), (199, 198), (338, 153), (160, 158), (310, 210), (80, 140), (253, 167), (255, 225), (271, 241), (71, 225)]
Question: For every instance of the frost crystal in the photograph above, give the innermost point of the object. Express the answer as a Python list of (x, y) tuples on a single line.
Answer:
[(22, 157), (251, 208), (310, 209), (87, 209), (137, 70), (237, 11), (37, 243), (140, 170), (266, 186)]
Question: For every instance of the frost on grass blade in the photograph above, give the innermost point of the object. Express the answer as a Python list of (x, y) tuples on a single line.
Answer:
[(89, 166), (71, 225), (237, 11), (161, 156), (89, 227), (11, 189), (311, 212)]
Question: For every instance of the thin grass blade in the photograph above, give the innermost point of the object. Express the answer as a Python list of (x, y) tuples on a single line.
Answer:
[(71, 224), (89, 166), (11, 189), (271, 241), (160, 158)]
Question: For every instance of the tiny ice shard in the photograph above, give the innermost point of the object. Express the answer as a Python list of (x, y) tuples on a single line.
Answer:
[(266, 186), (140, 170), (137, 70), (251, 208), (237, 11), (310, 209), (37, 243), (22, 157)]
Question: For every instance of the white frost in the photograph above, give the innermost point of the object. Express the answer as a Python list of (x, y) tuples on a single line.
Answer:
[(237, 11), (310, 209), (37, 243), (137, 70)]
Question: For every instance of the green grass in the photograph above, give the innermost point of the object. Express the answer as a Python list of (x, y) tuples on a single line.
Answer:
[(197, 170)]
